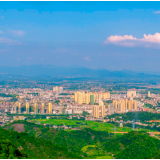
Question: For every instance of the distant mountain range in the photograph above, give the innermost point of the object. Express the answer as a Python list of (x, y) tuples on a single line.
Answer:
[(72, 72)]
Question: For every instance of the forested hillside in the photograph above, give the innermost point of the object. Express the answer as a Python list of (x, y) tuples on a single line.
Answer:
[(134, 145), (44, 142), (33, 147), (9, 151)]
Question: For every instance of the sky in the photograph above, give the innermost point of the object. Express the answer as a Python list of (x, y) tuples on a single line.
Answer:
[(98, 35)]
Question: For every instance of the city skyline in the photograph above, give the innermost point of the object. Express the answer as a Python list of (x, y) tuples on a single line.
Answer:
[(108, 35)]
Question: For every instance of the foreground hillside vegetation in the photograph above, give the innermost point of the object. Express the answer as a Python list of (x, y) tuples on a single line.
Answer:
[(45, 142), (32, 147)]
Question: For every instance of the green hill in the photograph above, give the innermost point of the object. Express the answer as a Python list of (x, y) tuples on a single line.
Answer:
[(74, 141), (9, 151), (134, 145), (36, 148), (44, 142)]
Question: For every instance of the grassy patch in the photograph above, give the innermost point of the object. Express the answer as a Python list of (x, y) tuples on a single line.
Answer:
[(98, 126)]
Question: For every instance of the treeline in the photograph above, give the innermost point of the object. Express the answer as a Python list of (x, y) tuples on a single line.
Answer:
[(7, 95), (142, 116)]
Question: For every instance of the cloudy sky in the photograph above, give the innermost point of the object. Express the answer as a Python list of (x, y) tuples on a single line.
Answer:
[(108, 35)]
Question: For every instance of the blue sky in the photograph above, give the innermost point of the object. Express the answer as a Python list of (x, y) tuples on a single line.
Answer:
[(108, 35)]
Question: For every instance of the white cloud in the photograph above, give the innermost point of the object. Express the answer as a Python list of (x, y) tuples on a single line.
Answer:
[(156, 12), (117, 38), (17, 32), (130, 41), (152, 38)]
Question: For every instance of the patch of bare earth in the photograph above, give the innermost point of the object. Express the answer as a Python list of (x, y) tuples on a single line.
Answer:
[(18, 127)]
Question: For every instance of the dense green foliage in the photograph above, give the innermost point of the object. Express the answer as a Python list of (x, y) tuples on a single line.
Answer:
[(7, 95), (109, 101), (147, 105), (134, 145), (85, 113), (152, 90), (36, 148), (57, 101), (14, 99), (9, 151), (142, 116), (47, 142), (64, 94)]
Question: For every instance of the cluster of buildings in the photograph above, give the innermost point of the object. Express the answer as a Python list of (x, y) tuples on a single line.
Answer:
[(91, 102), (57, 89), (98, 111), (17, 108), (123, 105), (90, 97), (48, 101), (131, 94)]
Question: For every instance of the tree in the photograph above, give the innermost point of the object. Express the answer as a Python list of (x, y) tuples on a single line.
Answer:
[(85, 113), (9, 151)]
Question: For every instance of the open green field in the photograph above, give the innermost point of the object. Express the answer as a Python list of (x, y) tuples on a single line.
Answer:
[(95, 152), (99, 126)]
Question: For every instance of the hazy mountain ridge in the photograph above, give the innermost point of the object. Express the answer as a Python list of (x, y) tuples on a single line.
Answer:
[(75, 72)]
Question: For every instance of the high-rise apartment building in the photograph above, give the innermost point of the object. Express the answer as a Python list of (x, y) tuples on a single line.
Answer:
[(135, 105), (126, 104), (14, 109), (27, 108), (19, 108), (100, 103), (42, 109), (123, 105), (36, 107), (129, 105), (58, 89), (95, 111), (115, 104), (98, 111), (119, 109), (131, 94), (76, 97), (87, 98), (55, 89), (110, 109), (149, 94), (92, 99), (103, 111), (50, 108), (79, 98)]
